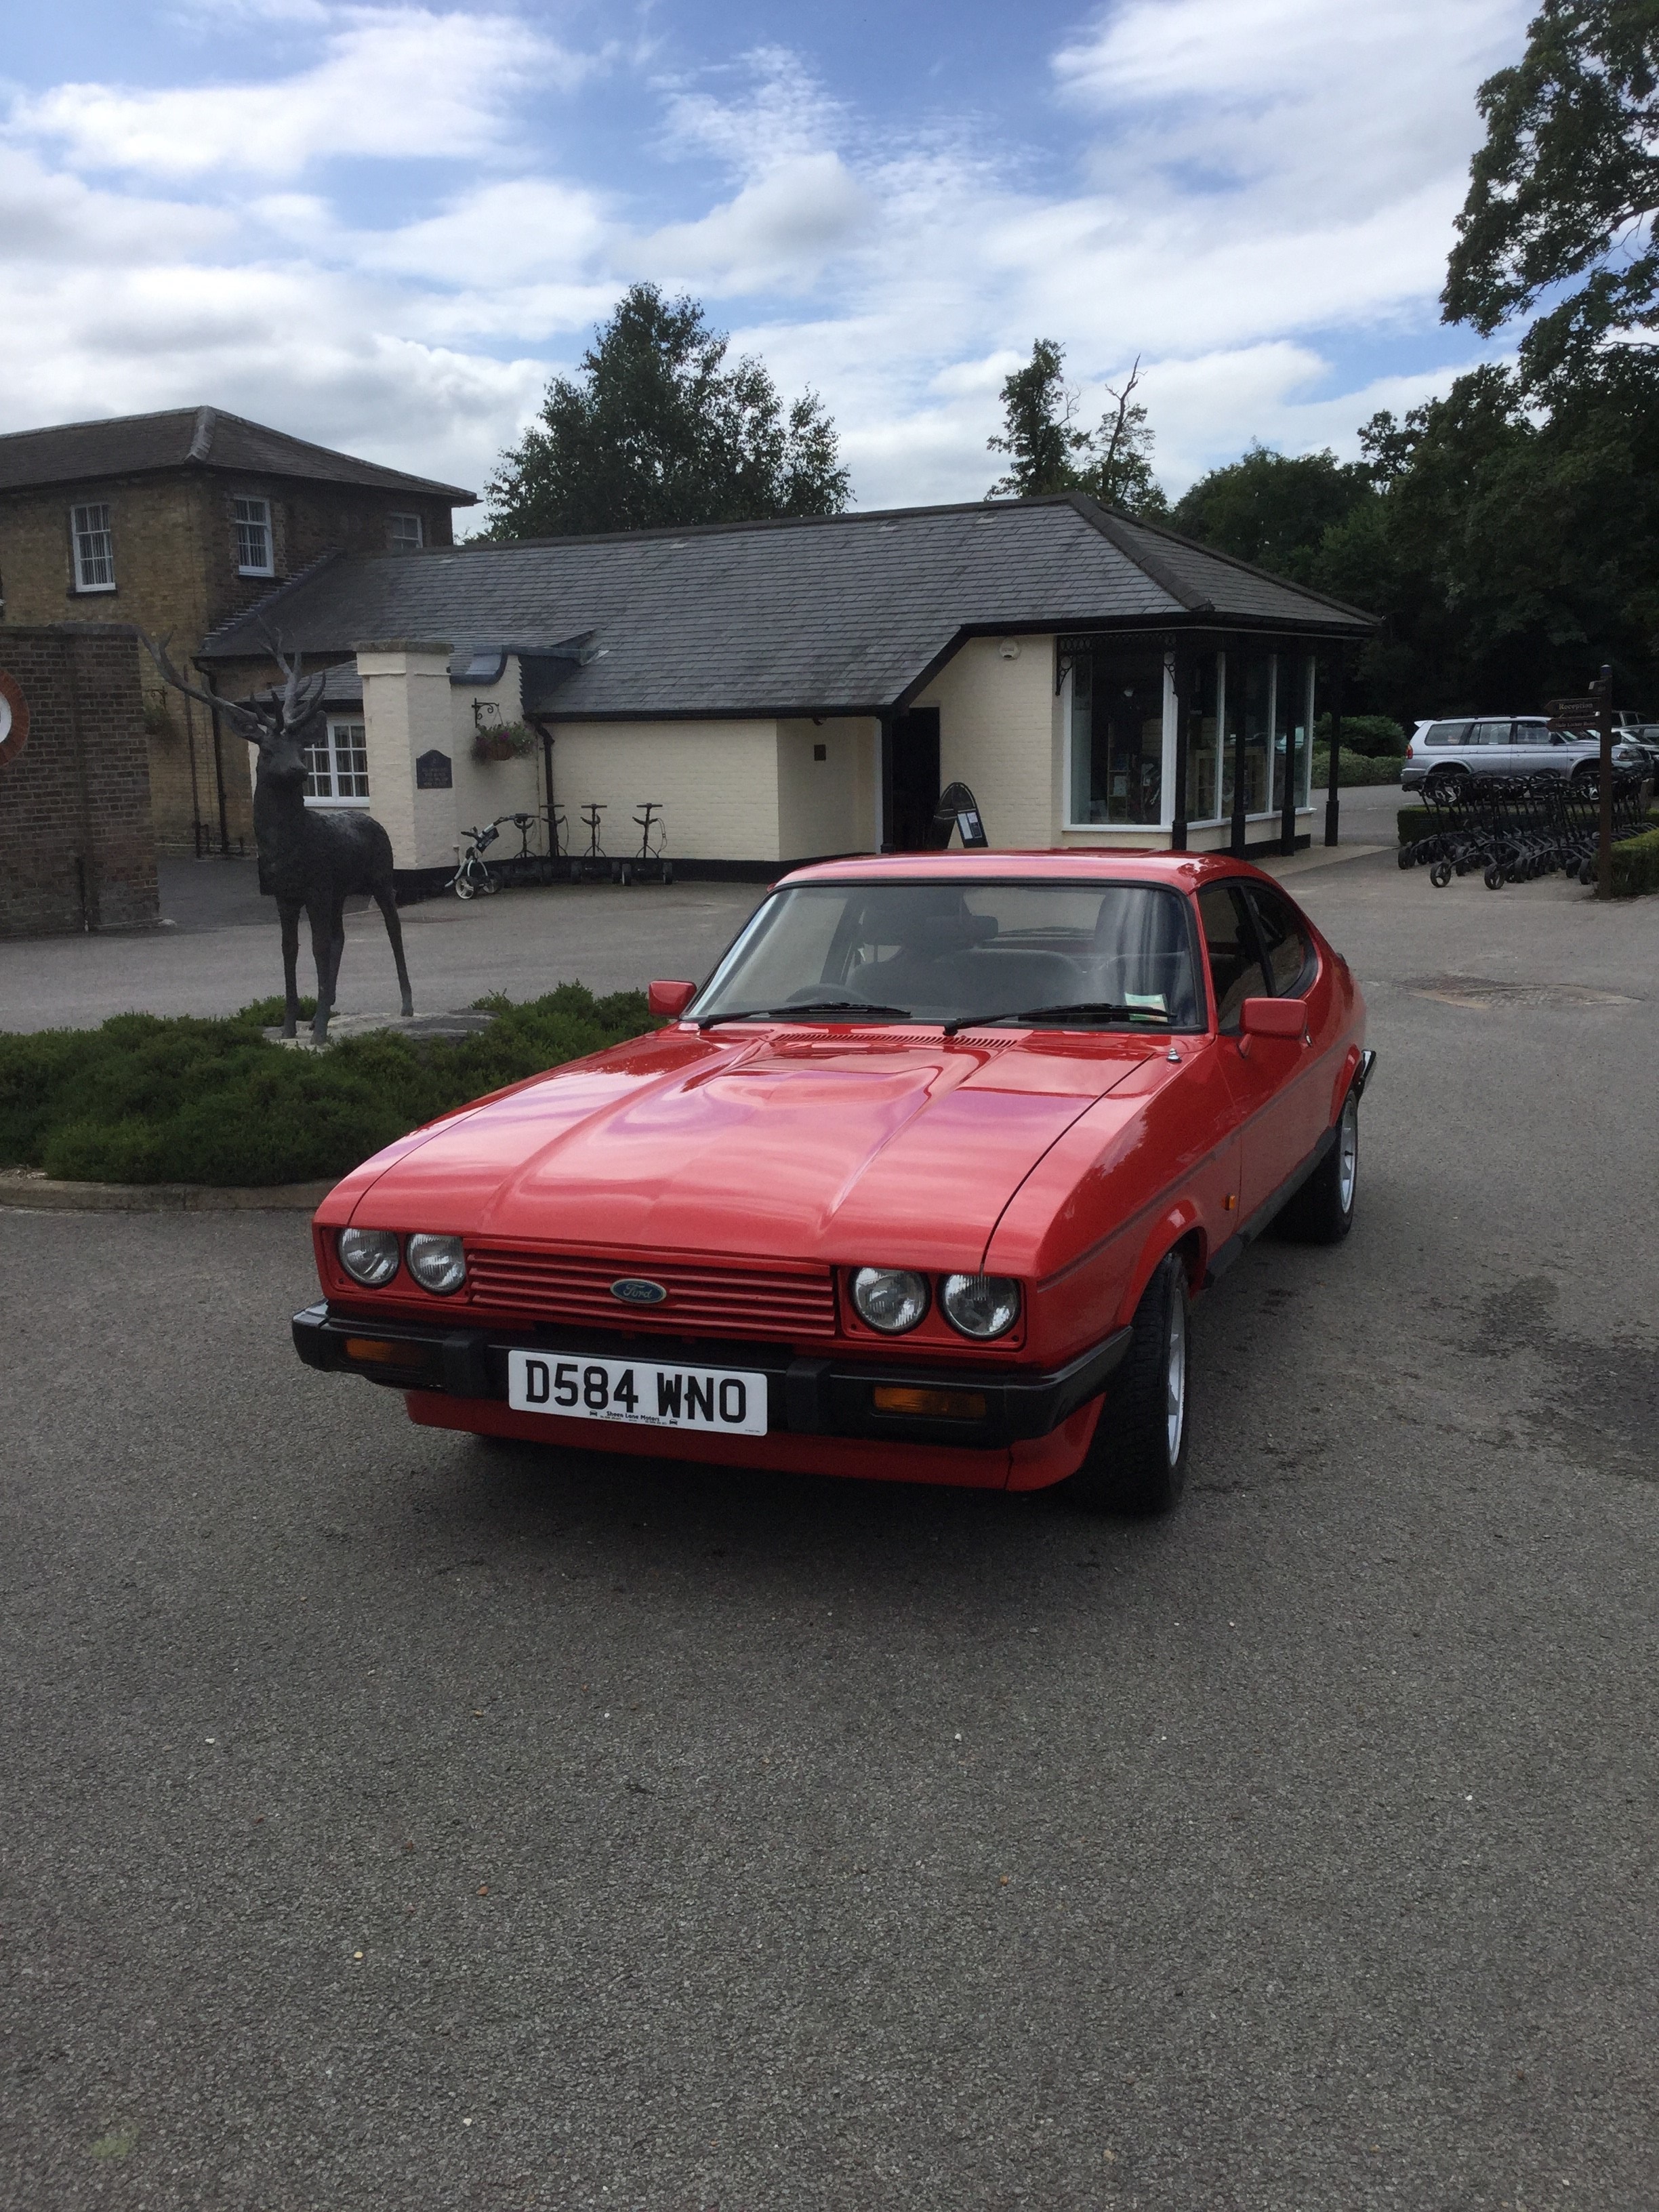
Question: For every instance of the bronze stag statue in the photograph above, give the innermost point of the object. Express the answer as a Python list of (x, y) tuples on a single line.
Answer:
[(309, 859)]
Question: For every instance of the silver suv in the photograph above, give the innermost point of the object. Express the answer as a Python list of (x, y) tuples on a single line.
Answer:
[(1507, 745)]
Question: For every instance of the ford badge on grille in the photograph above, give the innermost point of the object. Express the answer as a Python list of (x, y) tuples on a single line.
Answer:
[(634, 1290)]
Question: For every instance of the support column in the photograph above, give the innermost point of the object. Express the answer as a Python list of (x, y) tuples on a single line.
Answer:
[(1332, 803), (1183, 686), (885, 841), (1236, 842), (1284, 709)]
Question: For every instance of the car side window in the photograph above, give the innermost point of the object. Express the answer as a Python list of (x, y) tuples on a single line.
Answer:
[(1236, 967), (1446, 733), (1491, 734), (1289, 953)]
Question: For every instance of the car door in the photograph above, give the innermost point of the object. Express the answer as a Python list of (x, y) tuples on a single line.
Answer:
[(1532, 752), (1495, 755), (1302, 1109), (1256, 1067)]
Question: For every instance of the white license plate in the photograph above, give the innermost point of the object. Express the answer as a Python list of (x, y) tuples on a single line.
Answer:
[(729, 1400)]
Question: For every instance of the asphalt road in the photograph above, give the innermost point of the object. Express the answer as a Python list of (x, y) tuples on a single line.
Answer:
[(389, 1822)]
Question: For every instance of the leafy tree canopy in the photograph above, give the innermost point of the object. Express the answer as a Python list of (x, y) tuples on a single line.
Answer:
[(1565, 188), (658, 429), (1048, 452), (1273, 508)]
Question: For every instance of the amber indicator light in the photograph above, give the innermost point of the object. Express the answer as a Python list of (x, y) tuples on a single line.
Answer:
[(931, 1405), (380, 1352)]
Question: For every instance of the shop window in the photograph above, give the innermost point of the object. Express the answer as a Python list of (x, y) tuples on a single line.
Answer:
[(1117, 738), (1203, 714)]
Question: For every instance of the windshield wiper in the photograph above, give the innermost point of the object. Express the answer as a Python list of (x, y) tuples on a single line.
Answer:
[(1088, 1010), (807, 1010)]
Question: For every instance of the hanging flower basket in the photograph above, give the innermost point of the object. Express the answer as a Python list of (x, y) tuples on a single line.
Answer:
[(511, 741)]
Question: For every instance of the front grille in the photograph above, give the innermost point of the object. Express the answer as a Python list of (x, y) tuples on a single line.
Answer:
[(705, 1297)]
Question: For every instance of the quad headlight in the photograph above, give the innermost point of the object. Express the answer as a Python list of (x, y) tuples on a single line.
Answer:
[(891, 1299), (369, 1256), (981, 1305), (437, 1263)]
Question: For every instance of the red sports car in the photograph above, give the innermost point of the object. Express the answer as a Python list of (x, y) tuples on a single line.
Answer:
[(919, 1185)]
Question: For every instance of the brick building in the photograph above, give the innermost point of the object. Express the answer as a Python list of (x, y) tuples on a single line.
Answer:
[(76, 847), (178, 522)]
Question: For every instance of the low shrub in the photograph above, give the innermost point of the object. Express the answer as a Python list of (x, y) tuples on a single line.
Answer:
[(1355, 768), (145, 1099), (1635, 866), (1373, 734)]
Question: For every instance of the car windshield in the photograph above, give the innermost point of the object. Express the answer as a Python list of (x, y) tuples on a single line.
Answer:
[(1114, 955)]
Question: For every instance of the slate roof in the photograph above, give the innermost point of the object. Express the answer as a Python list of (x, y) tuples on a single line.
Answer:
[(204, 437), (846, 614)]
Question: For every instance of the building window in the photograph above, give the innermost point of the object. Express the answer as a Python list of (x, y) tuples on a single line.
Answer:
[(1117, 737), (404, 533), (337, 767), (253, 550), (94, 549)]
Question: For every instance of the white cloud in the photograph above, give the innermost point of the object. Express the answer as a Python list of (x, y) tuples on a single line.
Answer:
[(399, 83), (1249, 178)]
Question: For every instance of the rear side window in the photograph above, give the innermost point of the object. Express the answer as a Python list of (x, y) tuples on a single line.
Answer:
[(1445, 734), (1289, 954), (1236, 967), (1491, 734)]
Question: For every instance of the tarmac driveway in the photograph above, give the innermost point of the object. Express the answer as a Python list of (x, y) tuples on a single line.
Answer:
[(389, 1822)]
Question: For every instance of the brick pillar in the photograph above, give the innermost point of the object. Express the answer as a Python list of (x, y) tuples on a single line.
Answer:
[(78, 846)]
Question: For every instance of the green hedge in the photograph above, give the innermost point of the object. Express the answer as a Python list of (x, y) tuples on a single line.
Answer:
[(1635, 866), (145, 1099), (1355, 768)]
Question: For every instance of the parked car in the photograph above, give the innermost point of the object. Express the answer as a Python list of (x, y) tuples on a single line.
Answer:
[(1506, 744), (919, 1186)]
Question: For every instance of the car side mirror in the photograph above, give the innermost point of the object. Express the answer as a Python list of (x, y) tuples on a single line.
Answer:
[(667, 1001), (1274, 1017)]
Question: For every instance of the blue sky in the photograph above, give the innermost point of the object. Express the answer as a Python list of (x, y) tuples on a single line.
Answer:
[(384, 226)]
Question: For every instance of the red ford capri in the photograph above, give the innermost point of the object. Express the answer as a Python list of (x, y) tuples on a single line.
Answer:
[(918, 1186)]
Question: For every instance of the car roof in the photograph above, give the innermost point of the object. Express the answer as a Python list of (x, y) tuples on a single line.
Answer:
[(1050, 864)]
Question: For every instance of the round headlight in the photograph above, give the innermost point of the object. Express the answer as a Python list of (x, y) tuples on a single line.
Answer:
[(368, 1255), (437, 1263), (981, 1305), (891, 1299)]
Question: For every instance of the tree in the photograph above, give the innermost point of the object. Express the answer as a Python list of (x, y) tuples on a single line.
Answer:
[(1050, 454), (658, 430), (1038, 410), (1120, 474), (1274, 508), (1565, 188)]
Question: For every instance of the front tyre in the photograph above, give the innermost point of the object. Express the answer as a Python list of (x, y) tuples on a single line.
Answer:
[(1137, 1464), (1321, 1212)]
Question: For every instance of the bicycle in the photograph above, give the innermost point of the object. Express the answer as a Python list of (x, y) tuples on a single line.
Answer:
[(473, 875)]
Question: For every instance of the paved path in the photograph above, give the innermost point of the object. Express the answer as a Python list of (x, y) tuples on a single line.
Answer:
[(392, 1825), (226, 950), (220, 949)]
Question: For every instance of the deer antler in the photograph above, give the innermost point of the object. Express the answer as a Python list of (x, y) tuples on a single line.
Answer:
[(299, 701), (241, 719)]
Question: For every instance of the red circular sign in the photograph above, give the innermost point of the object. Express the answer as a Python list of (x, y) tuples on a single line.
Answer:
[(14, 718)]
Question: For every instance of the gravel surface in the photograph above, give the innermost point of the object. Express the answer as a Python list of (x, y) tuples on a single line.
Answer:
[(393, 1822)]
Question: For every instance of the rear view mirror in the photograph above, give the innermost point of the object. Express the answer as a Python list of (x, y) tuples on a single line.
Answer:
[(1274, 1017), (667, 999)]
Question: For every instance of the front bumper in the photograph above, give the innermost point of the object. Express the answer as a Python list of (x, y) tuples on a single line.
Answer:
[(805, 1396)]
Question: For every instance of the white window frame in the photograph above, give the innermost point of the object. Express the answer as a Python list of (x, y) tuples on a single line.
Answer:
[(397, 541), (248, 521), (337, 725), (89, 560), (1166, 790)]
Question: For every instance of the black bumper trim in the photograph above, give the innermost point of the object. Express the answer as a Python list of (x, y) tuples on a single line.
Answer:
[(813, 1395)]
